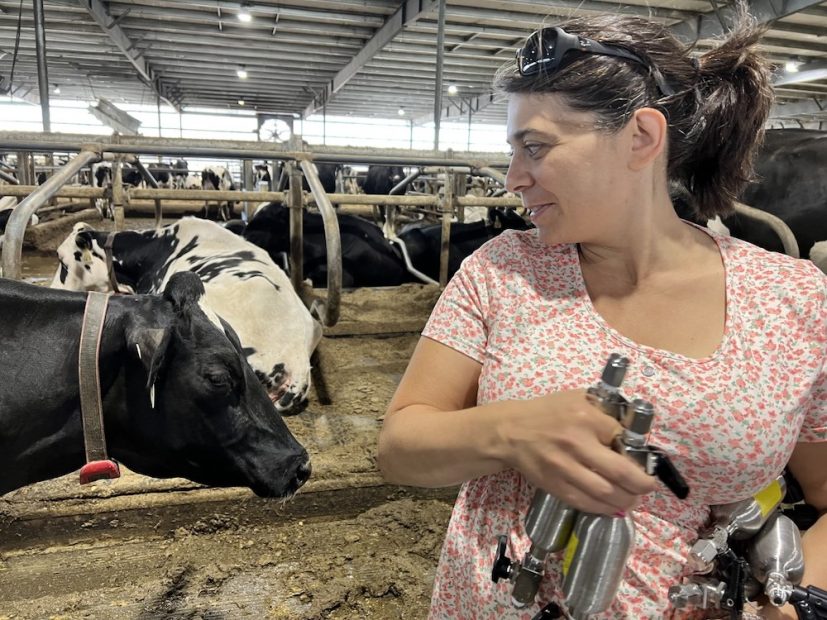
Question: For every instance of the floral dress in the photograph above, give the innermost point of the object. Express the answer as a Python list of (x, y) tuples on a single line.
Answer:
[(728, 421)]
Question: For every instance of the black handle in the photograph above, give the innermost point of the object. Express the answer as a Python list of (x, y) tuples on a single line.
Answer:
[(502, 563), (551, 611), (810, 603), (667, 473)]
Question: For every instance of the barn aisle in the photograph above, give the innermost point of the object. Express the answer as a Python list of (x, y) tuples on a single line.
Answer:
[(347, 546)]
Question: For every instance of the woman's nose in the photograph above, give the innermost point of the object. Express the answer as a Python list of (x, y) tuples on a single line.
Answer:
[(516, 179)]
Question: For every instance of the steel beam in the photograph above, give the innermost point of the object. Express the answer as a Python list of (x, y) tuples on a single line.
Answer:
[(146, 73), (806, 73), (42, 71), (709, 26), (809, 107), (407, 13)]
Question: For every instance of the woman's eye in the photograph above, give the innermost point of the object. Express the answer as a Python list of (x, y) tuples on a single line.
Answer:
[(532, 149)]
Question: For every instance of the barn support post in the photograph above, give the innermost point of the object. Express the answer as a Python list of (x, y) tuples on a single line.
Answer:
[(249, 185), (25, 168), (295, 202), (328, 313), (447, 205), (440, 56), (42, 71), (16, 226), (153, 183), (117, 193)]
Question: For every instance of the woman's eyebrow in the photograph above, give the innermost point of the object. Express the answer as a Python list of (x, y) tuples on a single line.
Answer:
[(517, 136)]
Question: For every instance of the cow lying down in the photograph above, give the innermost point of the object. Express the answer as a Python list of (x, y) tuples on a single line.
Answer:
[(210, 422), (243, 286)]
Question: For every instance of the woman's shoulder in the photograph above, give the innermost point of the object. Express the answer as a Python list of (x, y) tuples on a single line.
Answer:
[(773, 276)]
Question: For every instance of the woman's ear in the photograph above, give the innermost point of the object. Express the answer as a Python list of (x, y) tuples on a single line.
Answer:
[(649, 131)]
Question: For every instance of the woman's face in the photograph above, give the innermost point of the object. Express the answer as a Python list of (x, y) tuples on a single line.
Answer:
[(572, 177)]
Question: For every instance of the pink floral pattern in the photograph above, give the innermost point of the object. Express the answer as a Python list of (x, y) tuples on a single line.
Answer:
[(729, 421)]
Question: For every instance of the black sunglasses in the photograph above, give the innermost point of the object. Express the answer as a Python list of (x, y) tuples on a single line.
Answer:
[(545, 49)]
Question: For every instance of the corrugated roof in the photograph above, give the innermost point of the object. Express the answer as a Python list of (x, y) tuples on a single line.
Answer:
[(359, 57)]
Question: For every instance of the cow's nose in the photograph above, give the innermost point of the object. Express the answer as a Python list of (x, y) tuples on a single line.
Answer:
[(303, 473)]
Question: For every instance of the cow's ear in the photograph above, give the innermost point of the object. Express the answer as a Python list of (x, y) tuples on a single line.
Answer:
[(149, 345), (184, 289)]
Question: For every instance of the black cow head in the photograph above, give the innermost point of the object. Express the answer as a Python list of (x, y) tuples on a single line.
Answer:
[(202, 413)]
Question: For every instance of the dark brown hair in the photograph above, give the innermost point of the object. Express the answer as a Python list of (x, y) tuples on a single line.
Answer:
[(716, 116)]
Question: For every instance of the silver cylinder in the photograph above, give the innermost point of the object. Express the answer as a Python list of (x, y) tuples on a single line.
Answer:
[(776, 558), (744, 519), (595, 561), (549, 522)]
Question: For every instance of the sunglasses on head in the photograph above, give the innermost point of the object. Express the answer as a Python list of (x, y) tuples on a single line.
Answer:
[(545, 49)]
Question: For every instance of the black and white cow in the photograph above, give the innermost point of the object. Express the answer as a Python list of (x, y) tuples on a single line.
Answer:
[(179, 399), (7, 205), (792, 185), (424, 243), (368, 259), (261, 175), (102, 175), (218, 178), (242, 284), (179, 174)]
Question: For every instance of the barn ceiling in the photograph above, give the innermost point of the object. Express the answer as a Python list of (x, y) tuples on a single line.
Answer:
[(359, 57)]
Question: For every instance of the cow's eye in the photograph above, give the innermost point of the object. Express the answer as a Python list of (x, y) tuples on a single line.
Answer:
[(219, 381)]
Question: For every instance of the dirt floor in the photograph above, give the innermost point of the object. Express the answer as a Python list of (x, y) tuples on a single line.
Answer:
[(347, 546)]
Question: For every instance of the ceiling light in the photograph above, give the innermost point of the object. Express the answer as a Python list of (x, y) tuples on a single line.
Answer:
[(56, 89), (792, 66), (401, 111), (241, 72), (244, 14), (241, 102), (452, 89)]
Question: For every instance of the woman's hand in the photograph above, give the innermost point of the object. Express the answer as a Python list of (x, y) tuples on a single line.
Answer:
[(561, 444)]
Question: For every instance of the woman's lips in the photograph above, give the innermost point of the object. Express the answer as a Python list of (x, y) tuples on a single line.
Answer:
[(538, 210)]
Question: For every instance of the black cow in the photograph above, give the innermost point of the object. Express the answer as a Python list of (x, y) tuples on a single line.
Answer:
[(327, 176), (791, 185), (424, 244), (382, 179), (210, 422), (368, 259)]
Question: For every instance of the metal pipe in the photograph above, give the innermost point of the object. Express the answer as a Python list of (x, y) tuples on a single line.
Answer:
[(333, 244), (487, 171), (42, 72), (201, 194), (447, 206), (404, 182), (440, 56), (295, 202), (147, 175), (16, 226), (779, 227), (8, 178), (68, 143), (64, 192)]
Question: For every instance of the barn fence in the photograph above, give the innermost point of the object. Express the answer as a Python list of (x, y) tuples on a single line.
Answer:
[(298, 158)]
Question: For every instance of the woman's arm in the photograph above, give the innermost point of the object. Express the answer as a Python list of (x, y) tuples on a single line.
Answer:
[(808, 464), (435, 435)]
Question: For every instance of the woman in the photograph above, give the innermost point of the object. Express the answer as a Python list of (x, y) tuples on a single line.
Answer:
[(726, 340)]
